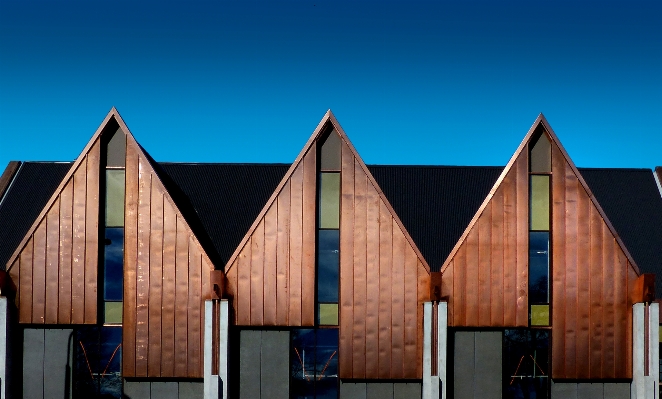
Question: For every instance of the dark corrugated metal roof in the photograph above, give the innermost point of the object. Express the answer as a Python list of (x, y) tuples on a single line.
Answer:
[(27, 195), (221, 200), (435, 203), (633, 204)]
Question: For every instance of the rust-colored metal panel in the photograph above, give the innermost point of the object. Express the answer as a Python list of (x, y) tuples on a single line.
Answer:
[(508, 191), (142, 270), (372, 283), (296, 242), (168, 294), (385, 295), (411, 314), (496, 276), (66, 246), (471, 278), (52, 262), (155, 281), (39, 274), (522, 246), (346, 265), (270, 265), (360, 261), (423, 296), (484, 269), (257, 275), (195, 313), (92, 232), (460, 287), (25, 283), (130, 260), (559, 274), (622, 316), (398, 365), (283, 257), (78, 251), (308, 239), (596, 265), (181, 297), (576, 234), (243, 297), (608, 291)]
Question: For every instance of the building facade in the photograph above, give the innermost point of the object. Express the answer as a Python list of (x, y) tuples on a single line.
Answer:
[(328, 278)]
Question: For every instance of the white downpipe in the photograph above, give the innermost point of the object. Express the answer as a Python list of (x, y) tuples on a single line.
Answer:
[(215, 386), (645, 386)]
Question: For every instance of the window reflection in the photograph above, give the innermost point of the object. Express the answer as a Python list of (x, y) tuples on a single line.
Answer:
[(328, 262), (97, 365), (314, 363), (113, 261), (526, 364), (539, 267)]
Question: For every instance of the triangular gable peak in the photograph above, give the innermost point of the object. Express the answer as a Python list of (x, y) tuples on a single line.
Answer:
[(384, 279), (56, 267), (486, 276)]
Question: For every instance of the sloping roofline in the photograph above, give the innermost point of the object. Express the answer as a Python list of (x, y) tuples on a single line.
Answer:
[(540, 120), (327, 118)]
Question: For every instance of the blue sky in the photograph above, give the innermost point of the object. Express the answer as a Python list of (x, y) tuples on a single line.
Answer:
[(416, 82)]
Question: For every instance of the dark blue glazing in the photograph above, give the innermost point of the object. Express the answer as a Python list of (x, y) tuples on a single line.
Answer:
[(113, 264), (539, 267), (328, 265)]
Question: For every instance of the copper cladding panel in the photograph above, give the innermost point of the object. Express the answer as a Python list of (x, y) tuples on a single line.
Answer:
[(383, 284), (486, 280), (55, 270), (591, 320), (166, 273), (272, 279)]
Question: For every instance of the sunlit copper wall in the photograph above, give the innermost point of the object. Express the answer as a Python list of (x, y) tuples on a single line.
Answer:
[(486, 280), (166, 280), (272, 280), (383, 284), (592, 283), (56, 270)]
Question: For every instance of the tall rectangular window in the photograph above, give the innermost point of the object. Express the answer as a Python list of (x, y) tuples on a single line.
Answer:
[(526, 363)]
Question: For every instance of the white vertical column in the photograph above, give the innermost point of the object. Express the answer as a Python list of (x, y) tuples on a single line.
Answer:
[(223, 337), (208, 350), (645, 386), (442, 345), (431, 382), (4, 325)]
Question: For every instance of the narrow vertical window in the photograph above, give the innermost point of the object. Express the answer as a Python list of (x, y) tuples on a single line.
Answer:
[(540, 167)]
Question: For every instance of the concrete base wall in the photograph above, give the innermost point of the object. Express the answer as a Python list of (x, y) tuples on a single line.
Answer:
[(46, 357), (477, 365), (136, 389), (596, 390), (379, 390), (264, 364)]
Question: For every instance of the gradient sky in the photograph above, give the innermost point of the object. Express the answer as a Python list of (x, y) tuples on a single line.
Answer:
[(415, 82)]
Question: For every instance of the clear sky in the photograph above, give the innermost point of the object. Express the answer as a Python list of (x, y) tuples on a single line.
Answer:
[(411, 82)]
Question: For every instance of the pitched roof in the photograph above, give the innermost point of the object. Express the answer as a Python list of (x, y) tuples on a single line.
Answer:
[(435, 203), (26, 196), (632, 201)]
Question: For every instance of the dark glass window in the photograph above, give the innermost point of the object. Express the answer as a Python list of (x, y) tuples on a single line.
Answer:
[(538, 267), (328, 263), (526, 364), (113, 264), (541, 154), (116, 149), (314, 363), (330, 153), (97, 365)]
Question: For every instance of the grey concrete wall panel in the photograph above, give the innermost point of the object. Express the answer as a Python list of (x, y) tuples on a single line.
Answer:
[(488, 365), (353, 390), (590, 391), (55, 362), (379, 390), (191, 390), (463, 365), (164, 390), (275, 365), (563, 390), (249, 364), (33, 363), (407, 390), (617, 390), (136, 389)]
